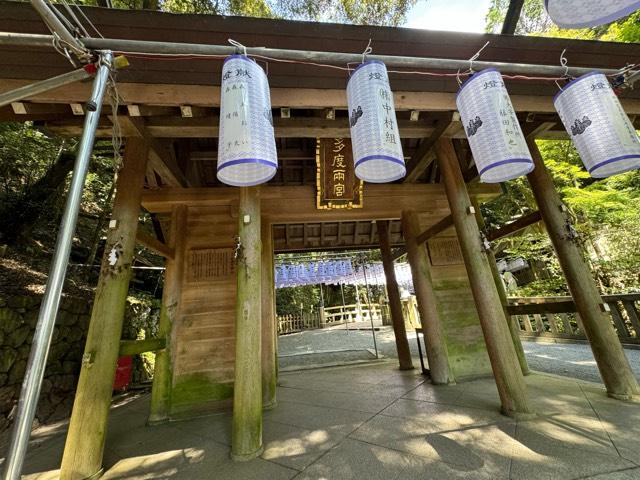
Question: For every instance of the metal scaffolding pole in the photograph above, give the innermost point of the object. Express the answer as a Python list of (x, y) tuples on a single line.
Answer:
[(54, 23), (336, 58), (45, 85), (47, 317)]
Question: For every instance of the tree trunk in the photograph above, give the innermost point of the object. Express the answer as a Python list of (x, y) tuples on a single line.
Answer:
[(19, 217)]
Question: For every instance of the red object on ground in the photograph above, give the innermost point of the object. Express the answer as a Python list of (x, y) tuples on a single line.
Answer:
[(123, 373)]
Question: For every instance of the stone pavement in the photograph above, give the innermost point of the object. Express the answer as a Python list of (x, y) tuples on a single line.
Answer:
[(374, 422)]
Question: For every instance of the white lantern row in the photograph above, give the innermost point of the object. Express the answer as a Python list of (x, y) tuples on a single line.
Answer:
[(598, 126), (588, 13), (588, 108)]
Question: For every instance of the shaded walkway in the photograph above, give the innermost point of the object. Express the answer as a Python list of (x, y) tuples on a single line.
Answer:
[(569, 360), (375, 422)]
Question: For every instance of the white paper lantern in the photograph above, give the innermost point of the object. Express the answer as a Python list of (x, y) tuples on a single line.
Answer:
[(596, 123), (377, 151), (588, 13), (497, 143), (246, 145)]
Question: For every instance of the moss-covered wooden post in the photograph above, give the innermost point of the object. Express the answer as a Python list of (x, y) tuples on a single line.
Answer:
[(174, 267), (246, 433), (614, 367), (84, 447), (502, 354), (395, 305), (514, 330), (434, 339), (269, 330)]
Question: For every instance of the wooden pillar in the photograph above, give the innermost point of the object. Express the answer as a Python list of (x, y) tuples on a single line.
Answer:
[(614, 367), (174, 268), (84, 447), (502, 354), (395, 305), (434, 339), (514, 330), (269, 330), (246, 433)]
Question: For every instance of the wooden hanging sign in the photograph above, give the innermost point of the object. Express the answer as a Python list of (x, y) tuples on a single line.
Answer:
[(336, 181)]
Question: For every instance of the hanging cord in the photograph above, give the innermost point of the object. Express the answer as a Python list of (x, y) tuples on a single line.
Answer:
[(563, 63), (114, 102), (87, 19), (470, 71), (367, 51), (239, 47)]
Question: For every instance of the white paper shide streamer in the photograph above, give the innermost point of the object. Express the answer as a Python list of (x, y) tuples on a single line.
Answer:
[(499, 148), (246, 145), (598, 126), (588, 13), (377, 151)]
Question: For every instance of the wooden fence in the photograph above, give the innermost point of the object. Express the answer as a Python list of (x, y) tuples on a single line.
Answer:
[(556, 317), (332, 316)]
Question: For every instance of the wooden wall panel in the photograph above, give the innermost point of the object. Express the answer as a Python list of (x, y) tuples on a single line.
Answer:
[(465, 342), (204, 336)]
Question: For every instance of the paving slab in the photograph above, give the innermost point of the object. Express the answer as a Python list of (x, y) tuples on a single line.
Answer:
[(375, 422)]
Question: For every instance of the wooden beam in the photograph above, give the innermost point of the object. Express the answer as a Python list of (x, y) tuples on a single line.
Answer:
[(160, 158), (439, 227), (209, 96), (613, 365), (136, 347), (160, 406), (515, 226), (207, 127), (246, 431), (502, 355), (154, 244), (84, 446), (432, 231), (382, 202), (512, 17), (424, 156), (434, 337), (395, 304)]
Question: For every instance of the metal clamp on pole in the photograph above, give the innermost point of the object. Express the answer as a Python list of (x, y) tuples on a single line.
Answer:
[(47, 317)]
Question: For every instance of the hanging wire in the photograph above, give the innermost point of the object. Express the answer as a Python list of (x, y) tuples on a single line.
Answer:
[(563, 63), (238, 46), (367, 51), (86, 18)]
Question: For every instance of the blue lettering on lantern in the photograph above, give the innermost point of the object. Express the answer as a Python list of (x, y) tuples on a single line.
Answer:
[(473, 126), (355, 115), (579, 126)]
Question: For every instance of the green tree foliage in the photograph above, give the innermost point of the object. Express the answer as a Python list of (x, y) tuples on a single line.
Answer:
[(605, 212), (362, 12)]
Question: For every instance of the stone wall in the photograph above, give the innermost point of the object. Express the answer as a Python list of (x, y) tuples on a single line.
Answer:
[(18, 317)]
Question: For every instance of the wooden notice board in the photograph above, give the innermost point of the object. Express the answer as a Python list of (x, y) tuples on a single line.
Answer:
[(336, 182), (445, 251)]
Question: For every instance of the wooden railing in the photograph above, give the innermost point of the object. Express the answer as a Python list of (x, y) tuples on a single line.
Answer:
[(556, 317), (330, 316)]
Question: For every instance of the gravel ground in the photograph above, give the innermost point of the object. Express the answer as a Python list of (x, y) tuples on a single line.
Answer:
[(571, 360)]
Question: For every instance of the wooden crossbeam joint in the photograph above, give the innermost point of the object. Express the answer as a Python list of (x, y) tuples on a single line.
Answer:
[(160, 158), (136, 347), (515, 226), (424, 156), (154, 245)]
